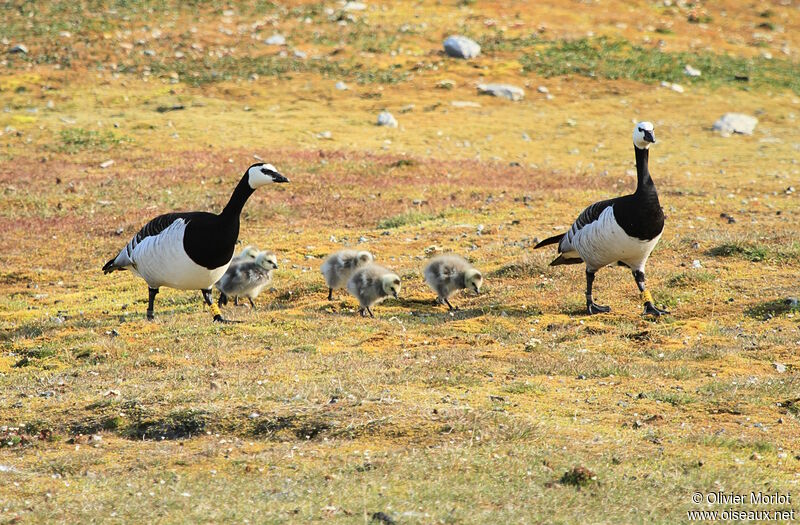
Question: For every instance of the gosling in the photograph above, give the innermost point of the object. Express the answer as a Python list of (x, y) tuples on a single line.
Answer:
[(340, 266), (247, 279), (247, 254), (447, 274), (371, 285)]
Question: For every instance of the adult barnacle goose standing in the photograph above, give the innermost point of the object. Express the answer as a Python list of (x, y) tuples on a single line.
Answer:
[(623, 230), (191, 250)]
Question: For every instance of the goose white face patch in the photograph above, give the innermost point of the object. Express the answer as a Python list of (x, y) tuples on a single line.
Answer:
[(260, 174), (640, 132)]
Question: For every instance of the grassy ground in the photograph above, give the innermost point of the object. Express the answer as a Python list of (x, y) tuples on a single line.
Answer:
[(305, 412)]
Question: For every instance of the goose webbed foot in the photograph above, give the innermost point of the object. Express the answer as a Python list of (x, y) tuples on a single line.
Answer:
[(650, 309), (252, 304), (219, 319), (450, 306), (593, 308), (369, 311), (150, 316)]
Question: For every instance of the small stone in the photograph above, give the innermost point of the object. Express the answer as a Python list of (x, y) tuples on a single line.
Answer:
[(689, 71), (755, 457), (341, 86), (696, 264), (731, 123), (779, 367), (387, 119), (458, 46), (300, 54), (107, 164), (276, 40), (354, 6), (326, 135), (362, 240), (445, 84), (464, 104), (19, 48), (506, 91), (543, 89)]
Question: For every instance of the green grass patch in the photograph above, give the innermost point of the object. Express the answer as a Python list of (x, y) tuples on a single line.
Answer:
[(756, 252), (618, 59), (689, 279), (208, 70), (79, 139), (750, 252), (404, 219), (770, 309)]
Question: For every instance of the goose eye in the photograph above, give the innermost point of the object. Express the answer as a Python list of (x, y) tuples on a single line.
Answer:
[(640, 129), (265, 170)]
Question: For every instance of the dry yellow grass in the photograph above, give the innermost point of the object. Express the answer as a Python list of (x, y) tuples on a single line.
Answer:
[(306, 412)]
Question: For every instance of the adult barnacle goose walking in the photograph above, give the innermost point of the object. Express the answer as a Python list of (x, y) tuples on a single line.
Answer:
[(623, 230), (191, 250)]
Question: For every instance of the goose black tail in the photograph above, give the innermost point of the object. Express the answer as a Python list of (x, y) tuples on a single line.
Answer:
[(550, 240)]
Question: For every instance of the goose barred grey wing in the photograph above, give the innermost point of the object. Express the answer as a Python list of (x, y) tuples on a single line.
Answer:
[(152, 228), (587, 216)]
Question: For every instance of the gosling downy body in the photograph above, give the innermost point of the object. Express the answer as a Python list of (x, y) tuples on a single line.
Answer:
[(247, 279), (340, 266), (446, 274), (371, 285)]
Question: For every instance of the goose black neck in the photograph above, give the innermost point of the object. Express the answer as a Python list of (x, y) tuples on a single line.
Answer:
[(240, 195), (643, 181)]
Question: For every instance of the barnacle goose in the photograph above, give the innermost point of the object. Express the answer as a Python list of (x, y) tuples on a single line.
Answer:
[(191, 250), (623, 230), (371, 284), (447, 274)]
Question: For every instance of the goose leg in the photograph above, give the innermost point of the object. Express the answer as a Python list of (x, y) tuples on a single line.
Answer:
[(450, 306), (151, 299), (223, 299), (591, 306), (370, 312), (649, 307), (214, 308), (330, 294), (253, 306)]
